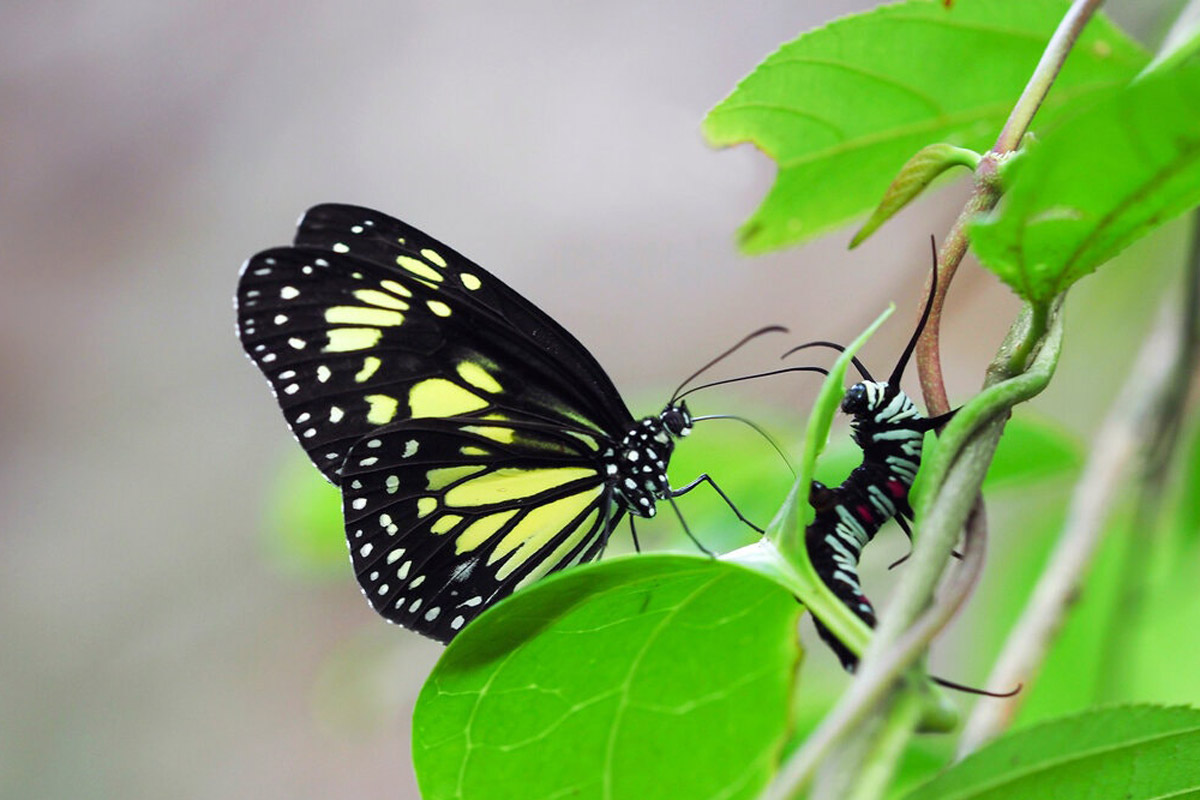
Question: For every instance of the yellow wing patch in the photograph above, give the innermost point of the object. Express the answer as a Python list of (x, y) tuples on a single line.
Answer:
[(438, 397), (501, 485), (478, 377), (481, 530), (537, 528), (434, 257), (357, 315), (419, 268), (440, 478), (426, 506), (502, 435), (383, 408), (382, 299), (444, 523), (396, 288), (370, 364), (555, 558), (343, 340)]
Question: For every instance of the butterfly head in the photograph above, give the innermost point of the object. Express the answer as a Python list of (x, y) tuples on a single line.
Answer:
[(677, 419)]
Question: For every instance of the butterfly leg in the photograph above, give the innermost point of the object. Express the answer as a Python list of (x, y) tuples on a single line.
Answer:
[(637, 546), (704, 478), (687, 530)]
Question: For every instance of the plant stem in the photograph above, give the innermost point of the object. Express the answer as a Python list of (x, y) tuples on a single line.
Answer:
[(1044, 73), (875, 752), (987, 192), (1033, 335)]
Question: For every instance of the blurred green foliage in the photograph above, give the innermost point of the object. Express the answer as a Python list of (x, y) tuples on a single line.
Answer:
[(302, 529)]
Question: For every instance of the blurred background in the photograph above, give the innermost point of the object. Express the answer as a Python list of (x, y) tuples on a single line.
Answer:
[(156, 638)]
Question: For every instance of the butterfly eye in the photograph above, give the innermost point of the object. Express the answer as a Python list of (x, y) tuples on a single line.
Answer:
[(677, 419)]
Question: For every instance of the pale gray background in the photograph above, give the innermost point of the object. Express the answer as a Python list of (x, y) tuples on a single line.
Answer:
[(147, 647)]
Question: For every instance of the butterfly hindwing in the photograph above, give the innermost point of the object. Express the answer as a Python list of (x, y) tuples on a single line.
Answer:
[(445, 516)]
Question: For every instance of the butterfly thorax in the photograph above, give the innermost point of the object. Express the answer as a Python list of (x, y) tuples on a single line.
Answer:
[(636, 466)]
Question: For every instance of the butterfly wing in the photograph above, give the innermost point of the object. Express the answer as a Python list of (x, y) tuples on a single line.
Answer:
[(366, 322), (382, 239), (445, 516)]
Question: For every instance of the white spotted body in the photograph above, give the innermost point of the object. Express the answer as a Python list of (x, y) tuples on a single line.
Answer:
[(636, 468)]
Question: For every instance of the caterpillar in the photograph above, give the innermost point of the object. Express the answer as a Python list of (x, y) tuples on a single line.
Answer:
[(887, 426)]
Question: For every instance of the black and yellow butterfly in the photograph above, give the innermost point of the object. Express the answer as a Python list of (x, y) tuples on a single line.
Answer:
[(477, 444)]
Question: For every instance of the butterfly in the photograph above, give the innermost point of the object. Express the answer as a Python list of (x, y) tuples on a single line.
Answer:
[(477, 444)]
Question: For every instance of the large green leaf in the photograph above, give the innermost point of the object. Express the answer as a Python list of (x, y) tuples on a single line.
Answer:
[(1091, 186), (843, 107), (1132, 753), (644, 677)]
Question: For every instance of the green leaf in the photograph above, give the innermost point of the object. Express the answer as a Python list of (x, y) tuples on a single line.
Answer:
[(1093, 185), (644, 677), (1131, 752), (304, 534), (841, 108), (916, 174)]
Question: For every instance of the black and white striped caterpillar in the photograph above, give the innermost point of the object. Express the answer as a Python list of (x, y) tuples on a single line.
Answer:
[(887, 426), (890, 430)]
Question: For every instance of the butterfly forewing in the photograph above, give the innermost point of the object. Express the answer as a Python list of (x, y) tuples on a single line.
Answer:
[(531, 333), (445, 516), (351, 342)]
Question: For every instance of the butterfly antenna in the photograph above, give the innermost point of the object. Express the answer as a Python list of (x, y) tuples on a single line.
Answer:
[(678, 396), (756, 427), (730, 351), (833, 346), (894, 380), (958, 687)]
